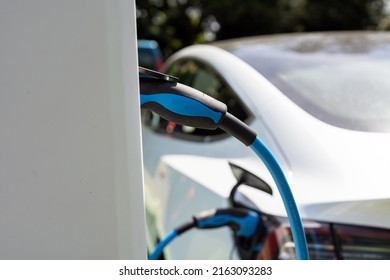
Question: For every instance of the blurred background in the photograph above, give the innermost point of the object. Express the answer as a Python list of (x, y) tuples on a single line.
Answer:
[(175, 24)]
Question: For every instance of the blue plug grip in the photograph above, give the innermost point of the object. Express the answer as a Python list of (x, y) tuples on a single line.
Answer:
[(244, 222), (181, 104)]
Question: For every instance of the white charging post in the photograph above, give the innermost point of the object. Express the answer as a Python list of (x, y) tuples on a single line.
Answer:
[(71, 184)]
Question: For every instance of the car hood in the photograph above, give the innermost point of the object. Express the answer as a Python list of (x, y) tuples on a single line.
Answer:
[(335, 174), (320, 196)]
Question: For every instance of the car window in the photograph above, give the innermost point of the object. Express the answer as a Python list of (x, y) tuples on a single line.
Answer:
[(202, 77)]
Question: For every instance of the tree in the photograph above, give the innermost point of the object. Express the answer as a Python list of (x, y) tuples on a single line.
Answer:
[(172, 23), (342, 15), (178, 23)]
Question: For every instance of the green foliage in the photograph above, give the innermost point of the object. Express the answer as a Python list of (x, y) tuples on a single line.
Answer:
[(178, 23), (342, 15), (172, 23)]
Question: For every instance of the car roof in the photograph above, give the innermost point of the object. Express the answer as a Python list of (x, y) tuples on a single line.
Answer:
[(327, 42)]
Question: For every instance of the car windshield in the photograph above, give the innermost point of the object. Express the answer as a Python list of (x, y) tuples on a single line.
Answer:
[(342, 80)]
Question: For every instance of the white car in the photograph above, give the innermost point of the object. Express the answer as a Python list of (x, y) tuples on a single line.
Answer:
[(321, 103)]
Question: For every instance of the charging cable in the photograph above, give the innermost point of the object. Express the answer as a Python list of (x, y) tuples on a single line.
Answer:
[(243, 222)]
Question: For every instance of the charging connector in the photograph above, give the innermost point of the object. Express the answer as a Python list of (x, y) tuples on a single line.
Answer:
[(243, 222)]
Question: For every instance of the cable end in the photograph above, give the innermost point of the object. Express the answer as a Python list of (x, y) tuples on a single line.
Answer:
[(238, 129)]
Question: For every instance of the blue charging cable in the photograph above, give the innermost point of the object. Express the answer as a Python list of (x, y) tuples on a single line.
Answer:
[(188, 106), (162, 244), (288, 199), (243, 222)]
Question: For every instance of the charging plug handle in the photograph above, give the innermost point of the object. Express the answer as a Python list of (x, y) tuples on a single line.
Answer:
[(181, 104), (187, 106), (242, 221)]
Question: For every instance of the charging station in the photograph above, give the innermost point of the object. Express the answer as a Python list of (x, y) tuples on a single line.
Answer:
[(71, 184)]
